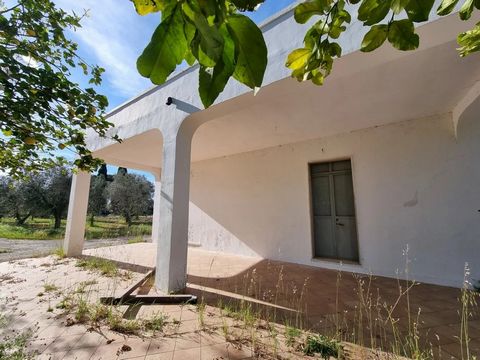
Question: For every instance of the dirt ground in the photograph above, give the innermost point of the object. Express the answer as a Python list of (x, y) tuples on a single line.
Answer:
[(21, 249)]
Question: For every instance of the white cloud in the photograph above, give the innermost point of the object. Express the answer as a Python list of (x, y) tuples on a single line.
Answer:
[(113, 36)]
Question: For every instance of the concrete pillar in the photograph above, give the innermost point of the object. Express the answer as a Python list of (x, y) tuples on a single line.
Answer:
[(77, 214), (156, 209), (173, 214)]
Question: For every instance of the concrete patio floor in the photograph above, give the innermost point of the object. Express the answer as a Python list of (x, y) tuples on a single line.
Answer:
[(327, 300)]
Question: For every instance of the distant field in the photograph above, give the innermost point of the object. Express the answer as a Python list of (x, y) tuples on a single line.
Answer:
[(105, 228)]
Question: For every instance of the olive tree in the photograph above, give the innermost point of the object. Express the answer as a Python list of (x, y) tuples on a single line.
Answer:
[(226, 43), (15, 200), (49, 192), (130, 195), (97, 201)]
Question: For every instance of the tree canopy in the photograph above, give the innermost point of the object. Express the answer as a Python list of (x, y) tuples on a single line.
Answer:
[(43, 112), (130, 195), (226, 43)]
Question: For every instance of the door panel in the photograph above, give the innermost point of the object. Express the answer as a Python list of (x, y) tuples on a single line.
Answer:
[(333, 207), (321, 196), (346, 238), (324, 237), (343, 185)]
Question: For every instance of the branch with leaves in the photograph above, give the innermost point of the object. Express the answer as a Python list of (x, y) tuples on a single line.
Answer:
[(226, 43), (42, 112)]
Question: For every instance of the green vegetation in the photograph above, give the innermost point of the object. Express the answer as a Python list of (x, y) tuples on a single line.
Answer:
[(292, 334), (60, 253), (50, 287), (227, 44), (107, 227), (136, 239), (319, 344), (15, 348), (103, 266), (156, 323), (43, 112)]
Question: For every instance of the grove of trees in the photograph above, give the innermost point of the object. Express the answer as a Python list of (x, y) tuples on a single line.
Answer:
[(47, 195)]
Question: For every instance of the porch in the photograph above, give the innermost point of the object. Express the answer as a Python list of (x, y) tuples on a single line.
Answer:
[(327, 301)]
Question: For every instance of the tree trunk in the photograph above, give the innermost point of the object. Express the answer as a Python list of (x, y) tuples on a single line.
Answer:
[(92, 220), (21, 220), (128, 219), (58, 221)]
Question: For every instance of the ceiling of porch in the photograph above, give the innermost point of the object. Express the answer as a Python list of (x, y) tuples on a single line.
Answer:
[(412, 85), (422, 84)]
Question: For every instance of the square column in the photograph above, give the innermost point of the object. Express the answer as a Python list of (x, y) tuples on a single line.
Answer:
[(77, 214), (171, 273)]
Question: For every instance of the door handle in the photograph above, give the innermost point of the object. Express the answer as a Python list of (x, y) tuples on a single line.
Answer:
[(339, 224)]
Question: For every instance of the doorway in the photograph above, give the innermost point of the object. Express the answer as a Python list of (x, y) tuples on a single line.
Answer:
[(333, 208)]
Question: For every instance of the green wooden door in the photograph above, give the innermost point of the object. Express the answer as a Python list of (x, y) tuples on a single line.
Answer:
[(333, 206)]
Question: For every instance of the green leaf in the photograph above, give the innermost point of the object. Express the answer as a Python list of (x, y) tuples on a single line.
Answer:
[(398, 5), (166, 50), (307, 9), (466, 10), (145, 7), (372, 12), (374, 38), (250, 50), (401, 34), (247, 5), (317, 77), (469, 41), (419, 10), (446, 7), (298, 59), (212, 81), (210, 39)]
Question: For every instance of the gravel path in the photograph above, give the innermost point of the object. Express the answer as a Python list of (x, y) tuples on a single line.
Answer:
[(20, 249)]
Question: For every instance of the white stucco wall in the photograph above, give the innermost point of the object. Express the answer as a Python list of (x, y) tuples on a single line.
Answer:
[(414, 183)]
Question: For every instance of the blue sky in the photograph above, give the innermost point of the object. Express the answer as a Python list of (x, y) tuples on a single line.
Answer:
[(113, 35)]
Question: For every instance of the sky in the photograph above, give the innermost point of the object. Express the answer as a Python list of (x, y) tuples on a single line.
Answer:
[(113, 35)]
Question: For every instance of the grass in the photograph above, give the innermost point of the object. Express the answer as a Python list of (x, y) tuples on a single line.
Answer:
[(105, 228), (322, 345), (50, 287), (60, 253), (156, 323), (136, 239), (292, 334), (15, 348), (103, 266)]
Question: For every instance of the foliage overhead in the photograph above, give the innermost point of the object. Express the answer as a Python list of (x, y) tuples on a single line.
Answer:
[(41, 110), (228, 44)]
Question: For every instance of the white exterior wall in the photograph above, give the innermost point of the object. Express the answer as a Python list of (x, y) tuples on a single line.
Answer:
[(414, 183)]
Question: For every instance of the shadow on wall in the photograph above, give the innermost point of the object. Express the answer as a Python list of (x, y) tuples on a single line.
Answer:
[(235, 208), (258, 203)]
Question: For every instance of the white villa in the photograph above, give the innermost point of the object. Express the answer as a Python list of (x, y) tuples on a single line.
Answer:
[(383, 157)]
